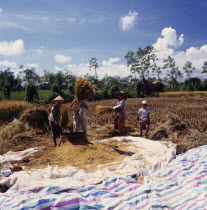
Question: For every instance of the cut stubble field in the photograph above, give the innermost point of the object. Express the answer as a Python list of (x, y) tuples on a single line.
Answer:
[(180, 120)]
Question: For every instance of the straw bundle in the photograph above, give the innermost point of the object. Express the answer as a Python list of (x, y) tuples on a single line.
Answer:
[(83, 89), (36, 118), (103, 109)]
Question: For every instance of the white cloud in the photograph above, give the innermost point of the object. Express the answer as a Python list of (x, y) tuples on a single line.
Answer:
[(71, 20), (62, 58), (69, 66), (128, 21), (1, 10), (12, 48), (14, 25), (107, 68), (32, 65), (39, 51), (167, 46), (8, 64), (169, 39), (110, 61), (57, 68)]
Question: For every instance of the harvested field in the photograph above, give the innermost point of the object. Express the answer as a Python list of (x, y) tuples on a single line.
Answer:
[(181, 120)]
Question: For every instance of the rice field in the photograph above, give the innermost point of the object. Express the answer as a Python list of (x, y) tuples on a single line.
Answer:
[(190, 110), (193, 111)]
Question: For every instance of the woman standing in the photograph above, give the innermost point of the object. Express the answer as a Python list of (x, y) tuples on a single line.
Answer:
[(79, 115)]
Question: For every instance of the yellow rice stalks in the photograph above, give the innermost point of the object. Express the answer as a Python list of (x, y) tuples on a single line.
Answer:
[(83, 89), (104, 109)]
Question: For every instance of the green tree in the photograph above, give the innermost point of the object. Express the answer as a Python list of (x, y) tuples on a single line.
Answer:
[(188, 69), (204, 85), (113, 90), (49, 78), (7, 77), (193, 84), (173, 72), (155, 68), (93, 64), (158, 87), (139, 61), (30, 76), (204, 67), (31, 93), (7, 91)]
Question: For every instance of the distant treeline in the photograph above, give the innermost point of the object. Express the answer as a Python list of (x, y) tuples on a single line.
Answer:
[(145, 80)]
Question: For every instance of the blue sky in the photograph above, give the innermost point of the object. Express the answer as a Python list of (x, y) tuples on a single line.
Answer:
[(65, 34)]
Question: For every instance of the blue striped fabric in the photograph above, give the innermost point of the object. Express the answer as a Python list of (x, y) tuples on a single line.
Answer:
[(180, 185)]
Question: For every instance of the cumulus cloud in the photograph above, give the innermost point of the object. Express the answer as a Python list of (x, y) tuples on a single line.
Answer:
[(57, 68), (8, 64), (110, 61), (32, 65), (69, 66), (108, 67), (12, 48), (62, 58), (165, 46), (127, 22), (168, 46)]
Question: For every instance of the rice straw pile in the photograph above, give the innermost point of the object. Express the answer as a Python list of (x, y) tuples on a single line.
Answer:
[(103, 109), (83, 89)]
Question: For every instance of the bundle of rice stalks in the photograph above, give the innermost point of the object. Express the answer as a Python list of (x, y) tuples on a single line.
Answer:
[(103, 109), (83, 89), (36, 118)]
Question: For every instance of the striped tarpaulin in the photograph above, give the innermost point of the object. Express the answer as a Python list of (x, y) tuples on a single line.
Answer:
[(180, 185)]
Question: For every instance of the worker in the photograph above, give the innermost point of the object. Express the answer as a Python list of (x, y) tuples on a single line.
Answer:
[(120, 108), (79, 115), (143, 118), (55, 119)]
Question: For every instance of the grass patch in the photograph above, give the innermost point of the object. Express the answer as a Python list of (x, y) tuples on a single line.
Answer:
[(182, 94)]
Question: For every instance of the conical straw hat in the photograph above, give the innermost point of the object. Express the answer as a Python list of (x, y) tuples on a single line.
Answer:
[(121, 93), (59, 98)]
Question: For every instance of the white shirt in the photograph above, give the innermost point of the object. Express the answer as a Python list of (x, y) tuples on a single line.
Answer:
[(122, 105), (83, 109), (144, 113)]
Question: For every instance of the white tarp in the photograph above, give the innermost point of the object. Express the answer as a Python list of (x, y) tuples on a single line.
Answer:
[(144, 155), (12, 156)]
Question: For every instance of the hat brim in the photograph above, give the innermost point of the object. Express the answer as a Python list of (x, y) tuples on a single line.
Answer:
[(122, 94), (63, 101)]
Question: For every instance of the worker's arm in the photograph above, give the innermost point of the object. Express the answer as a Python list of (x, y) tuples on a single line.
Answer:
[(149, 117), (120, 105), (137, 119), (74, 101), (84, 105)]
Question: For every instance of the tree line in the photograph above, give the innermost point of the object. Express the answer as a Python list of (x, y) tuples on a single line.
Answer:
[(145, 79)]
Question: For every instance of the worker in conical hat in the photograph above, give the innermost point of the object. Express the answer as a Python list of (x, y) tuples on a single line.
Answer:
[(55, 117)]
